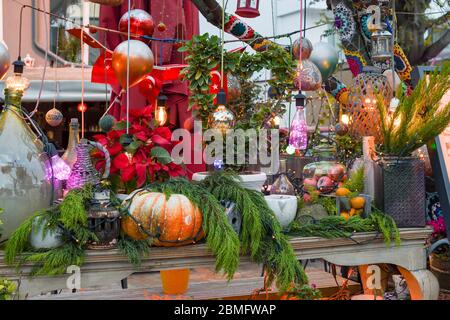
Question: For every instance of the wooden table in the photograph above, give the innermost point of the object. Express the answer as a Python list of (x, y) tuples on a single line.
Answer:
[(103, 267)]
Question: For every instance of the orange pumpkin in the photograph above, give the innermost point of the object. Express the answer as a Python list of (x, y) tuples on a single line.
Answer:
[(174, 220)]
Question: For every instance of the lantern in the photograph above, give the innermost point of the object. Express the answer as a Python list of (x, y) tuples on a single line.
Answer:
[(248, 8), (160, 110), (362, 109), (381, 45)]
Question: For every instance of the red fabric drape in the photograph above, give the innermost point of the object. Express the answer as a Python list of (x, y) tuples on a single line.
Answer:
[(181, 20)]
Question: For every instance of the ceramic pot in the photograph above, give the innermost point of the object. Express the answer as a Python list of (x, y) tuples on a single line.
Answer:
[(284, 207), (251, 180), (52, 238)]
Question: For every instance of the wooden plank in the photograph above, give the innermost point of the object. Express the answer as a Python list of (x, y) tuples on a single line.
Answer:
[(218, 289)]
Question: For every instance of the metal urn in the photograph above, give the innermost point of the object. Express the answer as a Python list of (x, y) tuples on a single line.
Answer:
[(24, 183)]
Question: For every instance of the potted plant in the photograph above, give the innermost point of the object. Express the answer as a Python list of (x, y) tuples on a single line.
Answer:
[(417, 120), (139, 157), (245, 96)]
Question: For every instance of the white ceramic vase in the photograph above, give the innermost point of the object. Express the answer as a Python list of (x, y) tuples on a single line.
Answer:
[(52, 239), (284, 207)]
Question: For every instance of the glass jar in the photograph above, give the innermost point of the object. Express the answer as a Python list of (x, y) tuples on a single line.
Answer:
[(325, 172), (282, 185)]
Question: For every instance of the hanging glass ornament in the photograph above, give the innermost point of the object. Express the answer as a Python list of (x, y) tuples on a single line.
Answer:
[(362, 109), (107, 122), (341, 129), (4, 59), (140, 21), (326, 58), (54, 117), (24, 188), (222, 118), (308, 76), (161, 27), (70, 155), (298, 136), (307, 48)]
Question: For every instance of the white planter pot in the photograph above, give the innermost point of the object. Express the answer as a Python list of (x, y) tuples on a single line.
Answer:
[(252, 181), (284, 207), (51, 240)]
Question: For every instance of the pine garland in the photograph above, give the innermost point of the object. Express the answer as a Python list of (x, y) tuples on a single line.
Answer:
[(261, 234), (71, 215), (135, 250), (338, 227), (220, 236)]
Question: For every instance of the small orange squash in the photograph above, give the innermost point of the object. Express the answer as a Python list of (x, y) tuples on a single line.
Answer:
[(174, 221)]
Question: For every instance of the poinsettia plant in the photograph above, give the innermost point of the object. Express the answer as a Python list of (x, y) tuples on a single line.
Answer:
[(140, 156)]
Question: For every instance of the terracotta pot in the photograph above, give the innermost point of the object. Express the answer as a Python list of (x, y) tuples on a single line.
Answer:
[(441, 269), (175, 281)]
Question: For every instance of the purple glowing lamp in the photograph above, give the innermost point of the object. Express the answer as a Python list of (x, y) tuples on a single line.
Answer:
[(298, 136)]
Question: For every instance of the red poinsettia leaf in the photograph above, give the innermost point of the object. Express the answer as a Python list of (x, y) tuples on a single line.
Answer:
[(163, 132), (101, 139), (141, 173), (115, 149), (115, 134), (96, 154), (128, 173), (100, 164), (160, 140), (121, 161), (141, 135)]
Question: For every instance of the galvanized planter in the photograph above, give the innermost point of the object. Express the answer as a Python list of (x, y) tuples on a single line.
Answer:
[(400, 190)]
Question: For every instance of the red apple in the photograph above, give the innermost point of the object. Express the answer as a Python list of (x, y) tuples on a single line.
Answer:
[(306, 198), (311, 182), (336, 172)]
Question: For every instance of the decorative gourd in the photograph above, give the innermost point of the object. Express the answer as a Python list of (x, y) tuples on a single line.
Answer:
[(173, 221)]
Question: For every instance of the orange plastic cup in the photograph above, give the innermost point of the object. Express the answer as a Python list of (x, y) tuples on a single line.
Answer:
[(175, 281)]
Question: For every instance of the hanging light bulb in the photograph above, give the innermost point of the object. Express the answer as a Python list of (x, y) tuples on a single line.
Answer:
[(61, 169), (82, 107), (58, 169), (345, 119), (17, 82), (298, 137), (160, 110), (222, 118)]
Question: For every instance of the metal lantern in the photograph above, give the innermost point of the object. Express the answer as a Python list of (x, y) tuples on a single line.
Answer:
[(103, 221), (364, 118), (381, 45), (248, 8)]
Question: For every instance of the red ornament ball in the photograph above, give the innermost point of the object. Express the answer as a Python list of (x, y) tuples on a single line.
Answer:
[(141, 23), (161, 27)]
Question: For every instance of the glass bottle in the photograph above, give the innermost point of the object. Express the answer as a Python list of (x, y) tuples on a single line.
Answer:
[(298, 136), (70, 156), (282, 185), (24, 184)]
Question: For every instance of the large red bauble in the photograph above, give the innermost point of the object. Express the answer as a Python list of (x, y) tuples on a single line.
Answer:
[(141, 23)]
